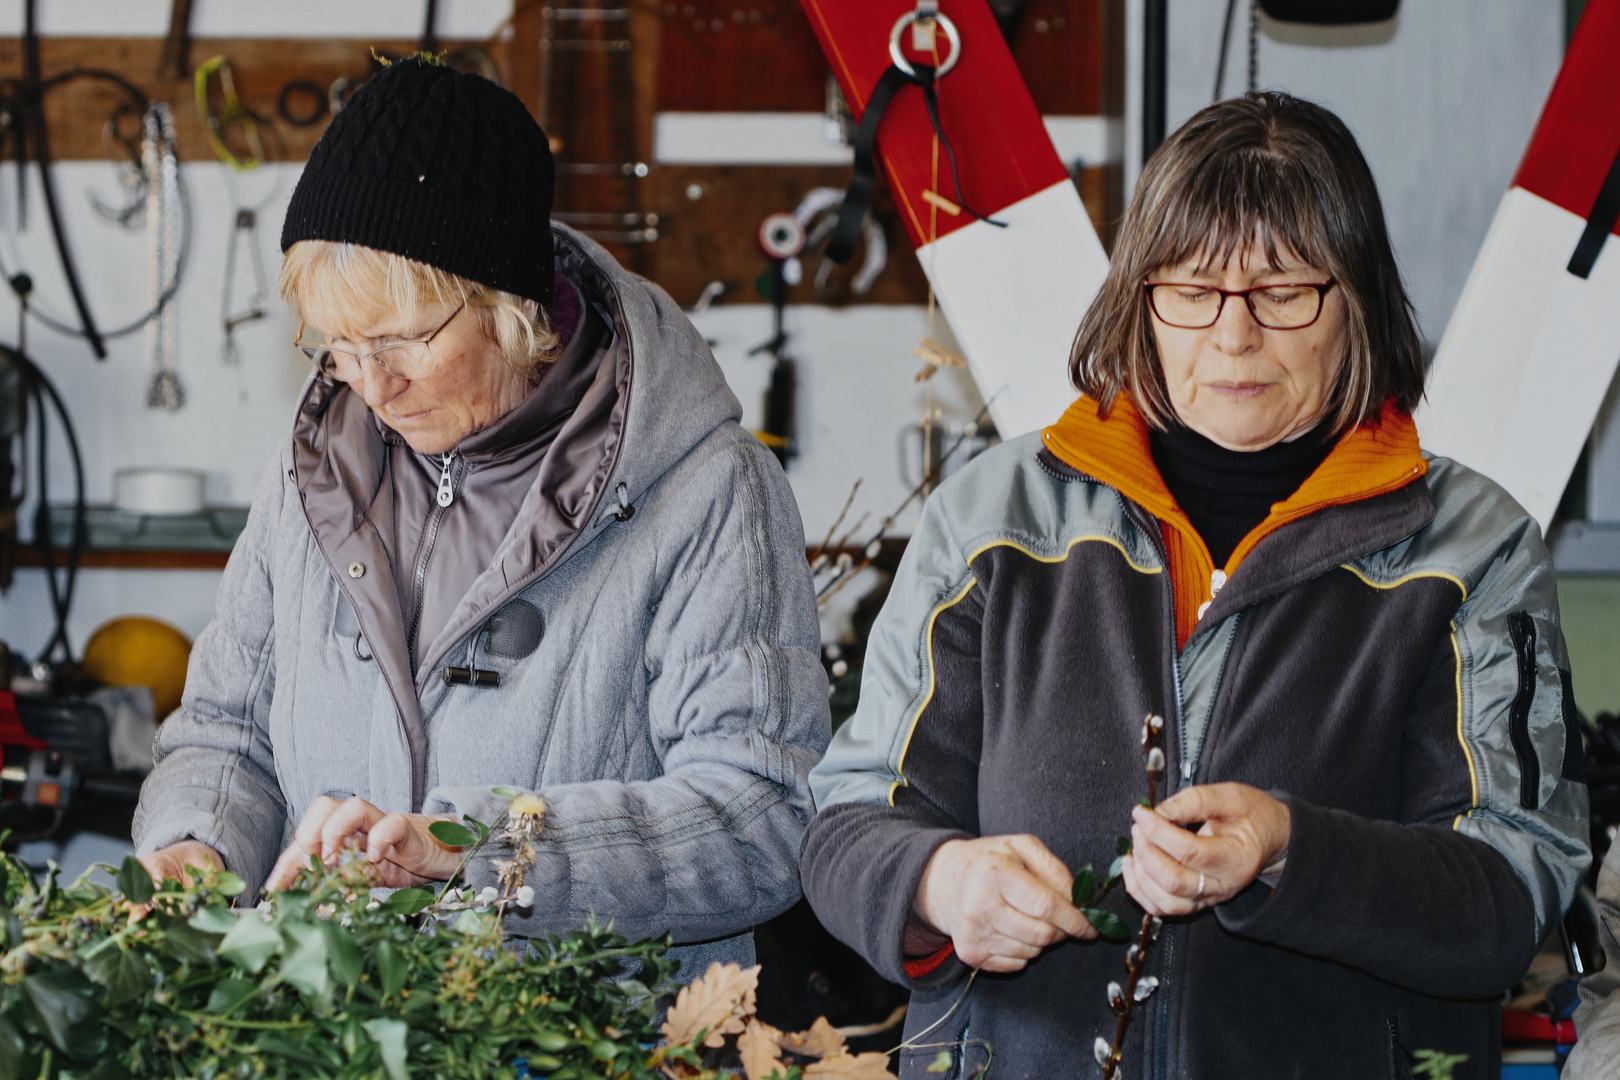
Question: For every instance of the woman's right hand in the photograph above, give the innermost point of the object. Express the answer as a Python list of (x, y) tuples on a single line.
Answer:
[(1000, 899), (171, 862)]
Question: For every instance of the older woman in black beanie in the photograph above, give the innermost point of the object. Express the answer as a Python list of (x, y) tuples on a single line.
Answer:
[(516, 539)]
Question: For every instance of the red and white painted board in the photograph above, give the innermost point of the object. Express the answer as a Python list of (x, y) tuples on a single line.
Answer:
[(1014, 297), (1531, 348)]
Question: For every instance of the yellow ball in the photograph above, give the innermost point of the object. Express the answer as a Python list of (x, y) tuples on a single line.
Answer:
[(138, 651)]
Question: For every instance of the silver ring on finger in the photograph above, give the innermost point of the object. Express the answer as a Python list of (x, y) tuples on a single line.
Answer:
[(1198, 897)]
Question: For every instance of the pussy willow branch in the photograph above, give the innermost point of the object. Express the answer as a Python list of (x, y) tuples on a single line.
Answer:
[(1136, 957)]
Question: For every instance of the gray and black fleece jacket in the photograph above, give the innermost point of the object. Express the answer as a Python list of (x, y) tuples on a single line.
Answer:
[(1392, 667)]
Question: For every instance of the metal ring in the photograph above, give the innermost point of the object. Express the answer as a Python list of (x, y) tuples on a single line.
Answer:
[(1198, 897), (314, 91), (951, 36)]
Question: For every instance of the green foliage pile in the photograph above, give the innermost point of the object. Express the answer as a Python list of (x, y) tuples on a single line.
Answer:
[(317, 982)]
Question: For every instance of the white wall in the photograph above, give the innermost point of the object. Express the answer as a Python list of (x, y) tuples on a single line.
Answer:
[(1442, 99), (1442, 105)]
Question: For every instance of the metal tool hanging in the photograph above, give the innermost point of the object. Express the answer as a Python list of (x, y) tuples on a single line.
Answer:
[(163, 387), (230, 114), (244, 234)]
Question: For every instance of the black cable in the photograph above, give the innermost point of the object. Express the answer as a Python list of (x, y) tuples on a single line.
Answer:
[(42, 158), (1226, 47), (142, 102), (39, 387)]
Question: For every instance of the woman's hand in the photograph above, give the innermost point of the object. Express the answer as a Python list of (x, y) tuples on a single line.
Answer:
[(171, 862), (1172, 871), (398, 845), (1000, 899)]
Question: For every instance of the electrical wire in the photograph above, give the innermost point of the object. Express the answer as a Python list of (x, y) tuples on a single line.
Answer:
[(142, 102), (38, 389)]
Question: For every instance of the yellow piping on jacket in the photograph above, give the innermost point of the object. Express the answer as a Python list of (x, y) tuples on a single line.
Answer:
[(1456, 650), (928, 636)]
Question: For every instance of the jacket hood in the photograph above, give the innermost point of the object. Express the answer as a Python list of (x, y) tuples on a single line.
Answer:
[(1374, 458), (656, 392)]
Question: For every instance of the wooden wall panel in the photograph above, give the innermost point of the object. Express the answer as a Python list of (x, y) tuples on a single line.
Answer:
[(762, 56), (77, 112), (713, 238), (739, 56)]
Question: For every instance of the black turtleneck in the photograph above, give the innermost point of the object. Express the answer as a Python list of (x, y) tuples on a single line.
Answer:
[(1227, 493)]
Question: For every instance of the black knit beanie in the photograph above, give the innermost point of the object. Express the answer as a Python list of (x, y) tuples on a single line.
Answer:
[(439, 166)]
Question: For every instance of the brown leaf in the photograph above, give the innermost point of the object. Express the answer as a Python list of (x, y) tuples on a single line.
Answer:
[(821, 1041), (758, 1048), (719, 1001), (868, 1066)]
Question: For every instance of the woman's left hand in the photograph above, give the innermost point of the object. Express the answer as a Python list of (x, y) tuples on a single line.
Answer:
[(399, 846), (1172, 871)]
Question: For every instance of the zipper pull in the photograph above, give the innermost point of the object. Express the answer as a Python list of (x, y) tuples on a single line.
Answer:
[(447, 487), (1216, 581)]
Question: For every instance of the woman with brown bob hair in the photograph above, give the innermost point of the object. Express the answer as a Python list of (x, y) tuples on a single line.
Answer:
[(1231, 567)]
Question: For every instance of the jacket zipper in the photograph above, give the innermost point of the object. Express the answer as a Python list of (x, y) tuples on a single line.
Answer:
[(449, 472)]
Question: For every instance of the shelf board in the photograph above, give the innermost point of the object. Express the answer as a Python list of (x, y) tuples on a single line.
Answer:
[(104, 559)]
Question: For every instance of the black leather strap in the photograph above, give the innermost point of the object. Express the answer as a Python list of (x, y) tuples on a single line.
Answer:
[(1599, 224), (858, 197)]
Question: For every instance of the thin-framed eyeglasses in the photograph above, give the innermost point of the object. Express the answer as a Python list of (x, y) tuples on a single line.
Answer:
[(411, 358), (1275, 307)]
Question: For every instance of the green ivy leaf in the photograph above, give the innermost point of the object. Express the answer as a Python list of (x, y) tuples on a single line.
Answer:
[(62, 1003), (126, 975), (1085, 887), (271, 1043), (478, 827), (12, 1050), (214, 920), (393, 967), (1109, 927), (305, 967), (407, 901), (389, 1035), (450, 834), (342, 953), (228, 884), (1115, 868), (506, 792), (134, 881), (229, 993), (1122, 844), (250, 944)]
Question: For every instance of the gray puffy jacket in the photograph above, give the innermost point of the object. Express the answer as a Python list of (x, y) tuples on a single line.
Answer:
[(669, 714)]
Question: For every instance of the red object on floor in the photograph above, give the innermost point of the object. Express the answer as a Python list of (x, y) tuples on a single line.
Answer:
[(1534, 1027), (12, 732)]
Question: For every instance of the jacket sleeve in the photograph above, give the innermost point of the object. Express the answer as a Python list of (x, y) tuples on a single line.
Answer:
[(736, 706), (1456, 898), (901, 777), (215, 776), (1597, 1021)]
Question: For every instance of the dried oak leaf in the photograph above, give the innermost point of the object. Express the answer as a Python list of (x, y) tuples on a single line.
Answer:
[(868, 1066), (821, 1041), (758, 1048), (719, 1001)]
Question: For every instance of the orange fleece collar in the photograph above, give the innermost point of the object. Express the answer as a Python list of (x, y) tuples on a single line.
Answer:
[(1374, 458)]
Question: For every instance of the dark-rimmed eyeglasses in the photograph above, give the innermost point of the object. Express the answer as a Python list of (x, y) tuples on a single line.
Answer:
[(1275, 307), (411, 358)]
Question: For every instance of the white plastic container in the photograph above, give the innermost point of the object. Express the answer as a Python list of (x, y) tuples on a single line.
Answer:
[(158, 490)]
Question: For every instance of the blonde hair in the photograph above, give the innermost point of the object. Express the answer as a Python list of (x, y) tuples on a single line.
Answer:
[(350, 278)]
